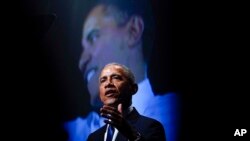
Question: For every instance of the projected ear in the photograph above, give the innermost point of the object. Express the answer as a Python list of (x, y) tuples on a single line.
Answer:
[(135, 28)]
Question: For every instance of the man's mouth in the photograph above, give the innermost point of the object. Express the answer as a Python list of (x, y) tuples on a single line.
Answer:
[(89, 74), (110, 93)]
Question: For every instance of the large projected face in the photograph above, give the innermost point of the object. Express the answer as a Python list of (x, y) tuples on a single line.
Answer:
[(103, 42)]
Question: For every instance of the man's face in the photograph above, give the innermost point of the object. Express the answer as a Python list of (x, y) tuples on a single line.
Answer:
[(114, 85), (103, 42)]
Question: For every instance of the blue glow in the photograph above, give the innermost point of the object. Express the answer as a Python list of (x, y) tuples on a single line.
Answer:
[(164, 108)]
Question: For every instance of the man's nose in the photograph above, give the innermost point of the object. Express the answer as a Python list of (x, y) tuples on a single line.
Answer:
[(109, 83), (84, 60)]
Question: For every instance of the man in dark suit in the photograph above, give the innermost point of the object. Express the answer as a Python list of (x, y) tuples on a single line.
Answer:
[(123, 122), (123, 32)]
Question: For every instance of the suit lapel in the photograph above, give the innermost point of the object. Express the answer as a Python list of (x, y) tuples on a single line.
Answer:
[(102, 133), (120, 137), (132, 118)]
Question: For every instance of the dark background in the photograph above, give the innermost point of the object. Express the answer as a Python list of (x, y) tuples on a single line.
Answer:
[(203, 43)]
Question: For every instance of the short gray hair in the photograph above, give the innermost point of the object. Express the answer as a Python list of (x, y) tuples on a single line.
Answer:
[(129, 74)]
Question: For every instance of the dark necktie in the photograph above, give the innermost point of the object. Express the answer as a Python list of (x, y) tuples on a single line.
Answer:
[(110, 133)]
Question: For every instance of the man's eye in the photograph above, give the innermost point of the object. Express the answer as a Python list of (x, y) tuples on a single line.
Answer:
[(93, 36), (102, 80), (117, 77)]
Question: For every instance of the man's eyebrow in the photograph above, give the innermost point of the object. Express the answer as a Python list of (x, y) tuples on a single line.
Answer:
[(115, 74), (102, 77)]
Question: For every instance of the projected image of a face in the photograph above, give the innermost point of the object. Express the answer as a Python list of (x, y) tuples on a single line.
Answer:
[(103, 42)]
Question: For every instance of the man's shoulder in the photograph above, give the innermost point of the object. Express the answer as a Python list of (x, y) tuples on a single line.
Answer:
[(144, 122), (149, 120), (150, 128)]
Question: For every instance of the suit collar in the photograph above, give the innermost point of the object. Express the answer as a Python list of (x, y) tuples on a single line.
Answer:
[(133, 116)]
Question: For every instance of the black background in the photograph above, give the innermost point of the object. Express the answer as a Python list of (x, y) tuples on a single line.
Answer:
[(206, 49)]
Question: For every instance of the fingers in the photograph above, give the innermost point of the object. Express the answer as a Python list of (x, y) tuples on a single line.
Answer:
[(108, 116), (109, 121), (120, 108), (114, 117), (110, 113), (109, 110)]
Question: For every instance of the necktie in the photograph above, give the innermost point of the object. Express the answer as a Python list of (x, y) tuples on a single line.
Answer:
[(110, 133)]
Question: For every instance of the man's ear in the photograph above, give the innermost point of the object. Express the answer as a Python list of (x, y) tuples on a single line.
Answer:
[(135, 28), (134, 88)]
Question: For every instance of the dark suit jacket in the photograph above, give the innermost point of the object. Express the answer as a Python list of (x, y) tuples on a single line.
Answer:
[(150, 129)]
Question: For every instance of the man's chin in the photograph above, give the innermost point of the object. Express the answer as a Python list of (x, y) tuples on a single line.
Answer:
[(111, 102)]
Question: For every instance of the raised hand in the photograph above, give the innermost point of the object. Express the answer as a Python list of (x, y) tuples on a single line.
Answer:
[(115, 118)]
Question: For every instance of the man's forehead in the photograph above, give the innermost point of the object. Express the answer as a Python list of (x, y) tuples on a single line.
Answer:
[(94, 15), (112, 69), (91, 23), (97, 18)]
